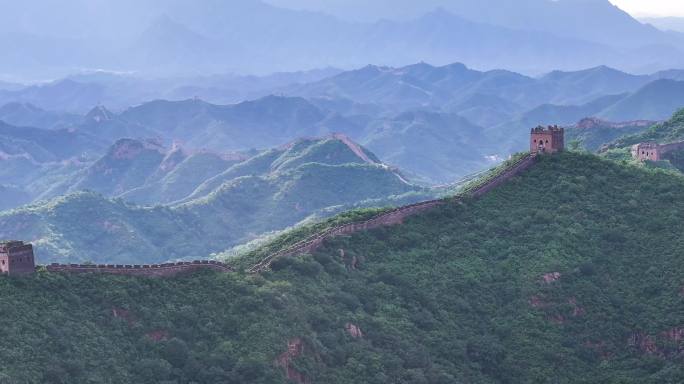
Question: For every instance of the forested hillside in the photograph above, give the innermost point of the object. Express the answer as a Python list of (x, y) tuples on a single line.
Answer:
[(570, 273)]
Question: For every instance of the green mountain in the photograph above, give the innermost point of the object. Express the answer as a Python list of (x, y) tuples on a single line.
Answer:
[(570, 273), (593, 133), (671, 131), (269, 192), (439, 147), (127, 164), (666, 132), (178, 175)]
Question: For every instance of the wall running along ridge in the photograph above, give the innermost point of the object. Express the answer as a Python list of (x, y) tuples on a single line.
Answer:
[(654, 151), (392, 217), (153, 270)]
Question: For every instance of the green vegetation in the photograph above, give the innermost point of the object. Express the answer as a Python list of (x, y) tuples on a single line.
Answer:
[(272, 191), (595, 133), (570, 273), (667, 132)]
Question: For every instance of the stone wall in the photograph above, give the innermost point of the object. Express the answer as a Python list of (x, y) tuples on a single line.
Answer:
[(309, 245), (646, 151), (665, 148), (547, 140), (16, 258), (518, 168), (152, 270), (392, 217)]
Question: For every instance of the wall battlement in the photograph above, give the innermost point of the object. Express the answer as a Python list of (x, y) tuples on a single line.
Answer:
[(148, 270), (547, 140)]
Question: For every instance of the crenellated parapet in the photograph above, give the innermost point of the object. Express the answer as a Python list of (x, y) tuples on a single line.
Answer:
[(16, 258), (547, 140), (148, 270)]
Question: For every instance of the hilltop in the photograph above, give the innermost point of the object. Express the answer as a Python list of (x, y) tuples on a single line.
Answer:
[(571, 272)]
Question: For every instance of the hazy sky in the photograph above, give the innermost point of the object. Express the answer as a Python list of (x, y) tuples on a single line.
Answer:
[(634, 7), (652, 7)]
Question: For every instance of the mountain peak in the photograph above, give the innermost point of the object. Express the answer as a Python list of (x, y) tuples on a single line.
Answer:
[(99, 114), (355, 147)]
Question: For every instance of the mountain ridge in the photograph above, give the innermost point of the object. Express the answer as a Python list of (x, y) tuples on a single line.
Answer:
[(563, 280)]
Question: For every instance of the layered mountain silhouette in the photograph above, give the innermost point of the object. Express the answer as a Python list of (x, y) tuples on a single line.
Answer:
[(395, 112), (179, 37)]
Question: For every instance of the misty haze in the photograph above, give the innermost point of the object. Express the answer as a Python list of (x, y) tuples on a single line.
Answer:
[(342, 191)]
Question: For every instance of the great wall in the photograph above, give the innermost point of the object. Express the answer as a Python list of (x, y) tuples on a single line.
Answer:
[(394, 216), (543, 140), (653, 151), (149, 270)]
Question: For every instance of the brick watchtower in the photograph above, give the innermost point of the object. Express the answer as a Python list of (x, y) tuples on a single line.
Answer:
[(16, 258), (547, 140), (646, 151)]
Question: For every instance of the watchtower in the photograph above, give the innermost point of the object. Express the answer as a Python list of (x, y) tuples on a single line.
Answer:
[(646, 151), (547, 140), (16, 258)]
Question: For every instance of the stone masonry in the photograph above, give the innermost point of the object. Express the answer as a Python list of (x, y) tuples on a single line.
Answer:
[(547, 140), (151, 270), (653, 151), (16, 258)]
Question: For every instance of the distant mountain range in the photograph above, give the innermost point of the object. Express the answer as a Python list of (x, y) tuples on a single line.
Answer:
[(250, 36), (673, 24), (78, 93), (436, 123)]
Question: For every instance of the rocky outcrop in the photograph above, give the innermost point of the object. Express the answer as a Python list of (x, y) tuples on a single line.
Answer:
[(552, 277), (295, 349), (353, 330)]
